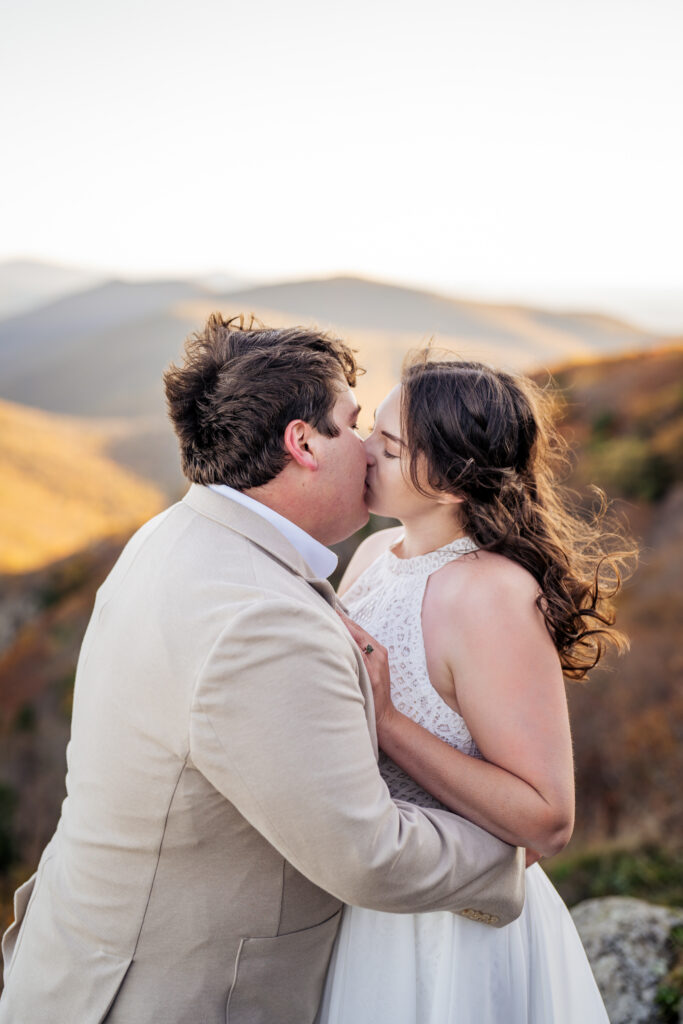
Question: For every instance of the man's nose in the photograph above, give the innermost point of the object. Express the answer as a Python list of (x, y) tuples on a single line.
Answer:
[(367, 448)]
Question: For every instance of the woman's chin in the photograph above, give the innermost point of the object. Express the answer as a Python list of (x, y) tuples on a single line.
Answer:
[(374, 505)]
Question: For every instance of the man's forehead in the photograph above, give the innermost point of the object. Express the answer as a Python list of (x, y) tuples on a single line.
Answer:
[(346, 402)]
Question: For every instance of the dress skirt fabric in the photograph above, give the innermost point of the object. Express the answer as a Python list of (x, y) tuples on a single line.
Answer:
[(442, 968)]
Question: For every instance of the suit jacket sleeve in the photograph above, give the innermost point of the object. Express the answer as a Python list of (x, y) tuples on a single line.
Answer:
[(278, 726)]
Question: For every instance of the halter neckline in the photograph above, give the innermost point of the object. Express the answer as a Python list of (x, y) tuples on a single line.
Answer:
[(431, 560)]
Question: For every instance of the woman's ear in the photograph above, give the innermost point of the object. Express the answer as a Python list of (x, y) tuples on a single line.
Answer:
[(444, 498), (298, 435)]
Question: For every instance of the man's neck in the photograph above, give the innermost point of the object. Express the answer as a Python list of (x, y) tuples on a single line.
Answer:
[(274, 500), (321, 560), (290, 499)]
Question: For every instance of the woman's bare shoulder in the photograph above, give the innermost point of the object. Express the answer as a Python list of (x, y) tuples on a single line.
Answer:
[(483, 614), (487, 579), (366, 553)]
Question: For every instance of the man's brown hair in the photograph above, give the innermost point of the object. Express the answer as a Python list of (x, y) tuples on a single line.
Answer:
[(239, 387)]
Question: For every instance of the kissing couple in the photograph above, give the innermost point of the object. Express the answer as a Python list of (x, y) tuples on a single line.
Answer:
[(283, 809)]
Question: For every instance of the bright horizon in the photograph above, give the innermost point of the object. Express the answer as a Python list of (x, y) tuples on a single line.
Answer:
[(494, 152)]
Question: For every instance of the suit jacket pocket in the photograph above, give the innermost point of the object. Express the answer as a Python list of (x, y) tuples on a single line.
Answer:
[(279, 980), (9, 939), (22, 900), (44, 989)]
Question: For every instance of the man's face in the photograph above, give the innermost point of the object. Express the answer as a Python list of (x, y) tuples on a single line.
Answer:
[(339, 490)]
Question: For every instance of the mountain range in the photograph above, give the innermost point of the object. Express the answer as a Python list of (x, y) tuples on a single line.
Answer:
[(98, 354), (26, 284), (102, 350)]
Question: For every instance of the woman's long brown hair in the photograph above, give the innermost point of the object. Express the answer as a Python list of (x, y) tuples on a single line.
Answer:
[(489, 437)]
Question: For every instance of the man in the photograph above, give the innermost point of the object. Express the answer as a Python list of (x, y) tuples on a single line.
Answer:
[(223, 791)]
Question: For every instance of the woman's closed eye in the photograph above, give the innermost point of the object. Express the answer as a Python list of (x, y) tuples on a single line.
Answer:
[(388, 455)]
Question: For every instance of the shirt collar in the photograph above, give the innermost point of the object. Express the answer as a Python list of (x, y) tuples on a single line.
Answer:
[(322, 561)]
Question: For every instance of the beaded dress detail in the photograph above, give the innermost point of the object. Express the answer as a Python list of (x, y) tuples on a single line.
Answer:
[(387, 601)]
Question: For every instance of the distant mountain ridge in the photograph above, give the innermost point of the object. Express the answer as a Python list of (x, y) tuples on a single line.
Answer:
[(25, 284), (362, 303), (103, 351), (54, 332)]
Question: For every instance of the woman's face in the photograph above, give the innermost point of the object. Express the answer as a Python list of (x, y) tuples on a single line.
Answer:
[(390, 491)]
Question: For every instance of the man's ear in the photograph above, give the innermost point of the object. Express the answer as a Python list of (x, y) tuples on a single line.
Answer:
[(298, 435)]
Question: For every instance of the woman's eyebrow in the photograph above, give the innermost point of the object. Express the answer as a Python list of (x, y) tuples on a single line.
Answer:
[(392, 437)]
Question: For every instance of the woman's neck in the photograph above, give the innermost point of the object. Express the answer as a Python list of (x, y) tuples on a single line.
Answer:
[(427, 533)]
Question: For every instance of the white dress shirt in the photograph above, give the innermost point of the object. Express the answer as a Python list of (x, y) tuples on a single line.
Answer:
[(322, 561)]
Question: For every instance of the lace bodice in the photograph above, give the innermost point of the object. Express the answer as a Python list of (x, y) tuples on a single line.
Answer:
[(386, 600)]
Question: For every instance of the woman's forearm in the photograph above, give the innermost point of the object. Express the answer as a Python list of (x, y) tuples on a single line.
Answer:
[(484, 793)]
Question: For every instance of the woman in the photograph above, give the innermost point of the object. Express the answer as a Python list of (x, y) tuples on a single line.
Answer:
[(488, 593)]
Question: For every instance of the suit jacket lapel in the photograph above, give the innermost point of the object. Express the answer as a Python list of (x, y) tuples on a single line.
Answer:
[(259, 531), (249, 524), (266, 536)]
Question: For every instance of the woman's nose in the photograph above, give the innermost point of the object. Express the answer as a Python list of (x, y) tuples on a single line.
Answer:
[(367, 447)]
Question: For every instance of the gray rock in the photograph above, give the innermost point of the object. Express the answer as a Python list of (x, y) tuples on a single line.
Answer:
[(627, 942)]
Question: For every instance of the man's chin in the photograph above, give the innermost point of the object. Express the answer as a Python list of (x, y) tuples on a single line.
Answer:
[(352, 526)]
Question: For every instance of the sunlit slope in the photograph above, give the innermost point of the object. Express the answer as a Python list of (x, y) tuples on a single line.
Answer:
[(624, 419), (58, 491)]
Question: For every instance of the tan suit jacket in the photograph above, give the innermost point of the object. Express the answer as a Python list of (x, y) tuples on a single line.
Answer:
[(223, 798)]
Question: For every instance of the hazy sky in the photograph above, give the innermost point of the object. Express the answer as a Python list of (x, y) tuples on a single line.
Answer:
[(485, 146)]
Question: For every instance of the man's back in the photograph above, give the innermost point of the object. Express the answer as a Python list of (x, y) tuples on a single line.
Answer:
[(149, 860)]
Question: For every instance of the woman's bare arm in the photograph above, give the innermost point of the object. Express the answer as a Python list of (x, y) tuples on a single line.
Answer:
[(510, 692)]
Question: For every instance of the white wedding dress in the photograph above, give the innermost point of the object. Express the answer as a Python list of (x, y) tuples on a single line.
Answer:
[(441, 968)]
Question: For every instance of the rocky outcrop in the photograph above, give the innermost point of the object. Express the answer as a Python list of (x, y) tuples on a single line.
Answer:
[(636, 952)]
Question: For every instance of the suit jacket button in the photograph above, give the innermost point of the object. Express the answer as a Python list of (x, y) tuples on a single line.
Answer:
[(479, 915)]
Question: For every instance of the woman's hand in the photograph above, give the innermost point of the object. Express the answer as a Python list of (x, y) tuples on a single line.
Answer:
[(377, 663)]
